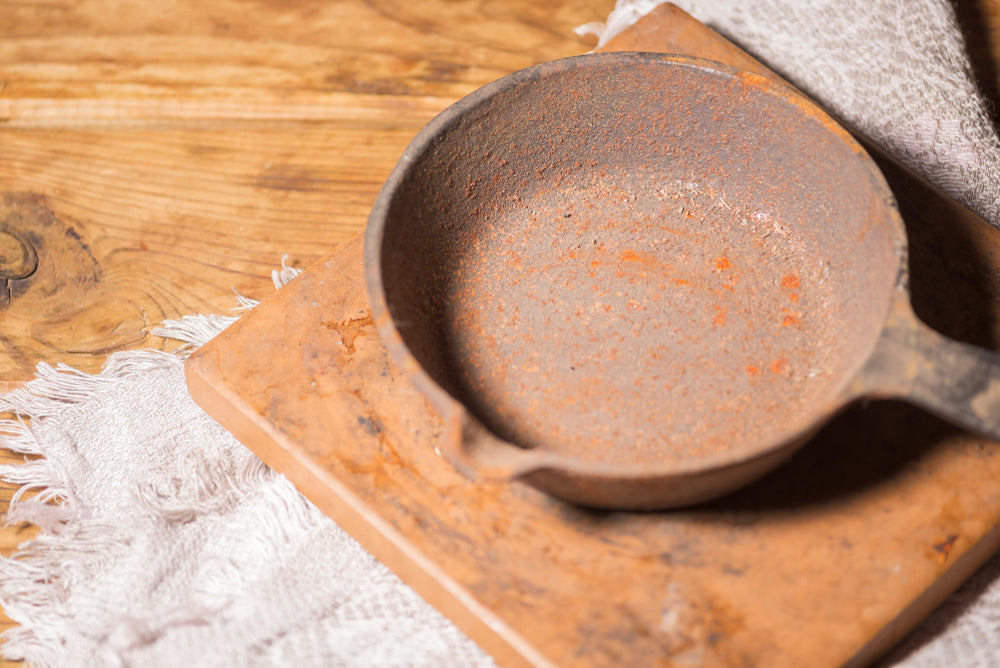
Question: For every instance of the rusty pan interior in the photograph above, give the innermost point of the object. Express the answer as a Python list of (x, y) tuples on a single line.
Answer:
[(641, 262)]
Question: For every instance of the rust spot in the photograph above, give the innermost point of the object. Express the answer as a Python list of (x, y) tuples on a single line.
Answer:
[(350, 330), (791, 321), (943, 548), (791, 280), (779, 365), (722, 263), (372, 425), (645, 259), (752, 370)]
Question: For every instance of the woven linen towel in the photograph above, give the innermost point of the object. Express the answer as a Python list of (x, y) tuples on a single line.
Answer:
[(173, 545), (165, 542)]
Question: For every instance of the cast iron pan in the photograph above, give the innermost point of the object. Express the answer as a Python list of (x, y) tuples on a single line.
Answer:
[(642, 281)]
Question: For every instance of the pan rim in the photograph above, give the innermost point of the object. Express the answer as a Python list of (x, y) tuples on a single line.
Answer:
[(453, 411)]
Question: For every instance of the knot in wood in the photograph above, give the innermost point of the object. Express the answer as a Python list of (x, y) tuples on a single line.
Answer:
[(18, 259)]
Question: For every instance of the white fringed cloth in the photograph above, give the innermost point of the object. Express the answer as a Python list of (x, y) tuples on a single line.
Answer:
[(165, 542)]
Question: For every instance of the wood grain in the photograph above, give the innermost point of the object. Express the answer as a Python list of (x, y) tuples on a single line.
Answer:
[(160, 156)]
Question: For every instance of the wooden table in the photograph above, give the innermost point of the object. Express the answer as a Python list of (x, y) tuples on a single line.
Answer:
[(160, 157)]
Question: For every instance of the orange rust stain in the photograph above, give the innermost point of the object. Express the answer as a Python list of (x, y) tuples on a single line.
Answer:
[(791, 280), (790, 321), (722, 263), (752, 370), (943, 548), (720, 315), (793, 296), (779, 365), (680, 281), (349, 331), (634, 257), (595, 263)]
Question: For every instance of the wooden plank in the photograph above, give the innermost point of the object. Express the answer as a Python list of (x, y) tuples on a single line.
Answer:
[(165, 155), (184, 152), (133, 227), (226, 52)]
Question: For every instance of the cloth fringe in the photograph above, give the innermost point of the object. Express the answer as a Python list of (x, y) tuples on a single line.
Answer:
[(282, 276), (625, 14), (197, 330), (45, 496), (165, 542)]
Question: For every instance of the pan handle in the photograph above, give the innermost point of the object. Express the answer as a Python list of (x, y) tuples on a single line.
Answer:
[(482, 455), (956, 381)]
